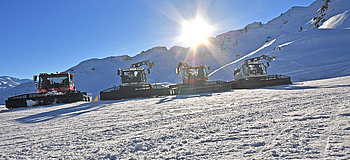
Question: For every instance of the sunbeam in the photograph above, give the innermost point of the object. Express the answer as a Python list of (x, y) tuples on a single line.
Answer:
[(247, 55)]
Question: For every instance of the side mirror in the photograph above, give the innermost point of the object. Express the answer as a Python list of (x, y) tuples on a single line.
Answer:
[(118, 72), (177, 71), (149, 71), (35, 77)]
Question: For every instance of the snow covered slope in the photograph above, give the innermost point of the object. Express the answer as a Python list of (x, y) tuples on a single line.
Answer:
[(309, 42), (306, 120)]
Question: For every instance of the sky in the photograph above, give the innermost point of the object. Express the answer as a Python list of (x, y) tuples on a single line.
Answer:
[(41, 36)]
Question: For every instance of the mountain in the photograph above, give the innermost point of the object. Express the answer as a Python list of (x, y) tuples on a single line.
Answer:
[(309, 43), (7, 82)]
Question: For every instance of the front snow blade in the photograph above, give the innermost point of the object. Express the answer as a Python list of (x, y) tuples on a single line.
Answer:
[(270, 80), (38, 99), (133, 91), (205, 87)]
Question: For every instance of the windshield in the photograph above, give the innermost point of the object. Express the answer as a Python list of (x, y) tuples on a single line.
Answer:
[(56, 81), (133, 76), (257, 69), (195, 73)]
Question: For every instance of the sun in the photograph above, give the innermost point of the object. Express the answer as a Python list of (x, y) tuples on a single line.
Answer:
[(195, 32)]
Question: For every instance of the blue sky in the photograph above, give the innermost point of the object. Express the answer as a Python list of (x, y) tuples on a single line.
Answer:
[(48, 36)]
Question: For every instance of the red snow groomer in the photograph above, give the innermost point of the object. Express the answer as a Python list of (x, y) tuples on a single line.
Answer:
[(52, 88), (193, 74), (195, 79)]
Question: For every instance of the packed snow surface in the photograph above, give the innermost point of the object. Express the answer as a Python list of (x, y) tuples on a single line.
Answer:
[(299, 121)]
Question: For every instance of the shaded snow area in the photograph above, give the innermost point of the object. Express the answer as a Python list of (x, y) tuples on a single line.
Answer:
[(299, 121)]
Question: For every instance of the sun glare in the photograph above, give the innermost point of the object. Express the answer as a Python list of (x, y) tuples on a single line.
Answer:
[(195, 32)]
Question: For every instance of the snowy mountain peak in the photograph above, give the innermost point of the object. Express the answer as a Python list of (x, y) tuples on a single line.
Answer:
[(120, 58), (7, 82), (154, 50)]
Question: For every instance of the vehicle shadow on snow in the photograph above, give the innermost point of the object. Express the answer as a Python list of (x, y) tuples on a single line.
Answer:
[(171, 98), (62, 113)]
